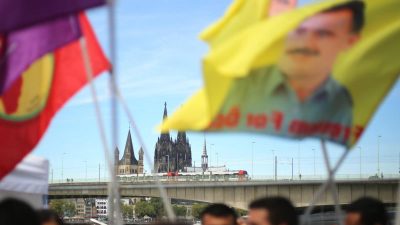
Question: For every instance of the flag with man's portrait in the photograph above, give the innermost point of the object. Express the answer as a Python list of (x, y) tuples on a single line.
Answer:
[(255, 80)]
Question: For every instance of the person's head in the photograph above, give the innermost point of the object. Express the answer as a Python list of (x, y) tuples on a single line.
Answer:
[(272, 211), (16, 212), (218, 214), (312, 48), (49, 217), (366, 211)]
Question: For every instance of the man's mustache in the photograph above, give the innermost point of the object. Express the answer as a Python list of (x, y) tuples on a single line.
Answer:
[(303, 51)]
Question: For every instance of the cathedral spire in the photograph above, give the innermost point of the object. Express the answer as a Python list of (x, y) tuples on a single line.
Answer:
[(204, 157), (205, 147), (165, 136), (165, 111), (129, 156)]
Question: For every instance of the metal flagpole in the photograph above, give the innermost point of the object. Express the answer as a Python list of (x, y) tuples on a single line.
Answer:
[(112, 191), (322, 189), (397, 222), (114, 200), (332, 186)]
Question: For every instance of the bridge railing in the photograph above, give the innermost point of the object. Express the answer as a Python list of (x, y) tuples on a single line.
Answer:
[(217, 178)]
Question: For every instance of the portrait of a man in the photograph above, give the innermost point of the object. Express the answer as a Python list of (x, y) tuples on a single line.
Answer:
[(299, 95)]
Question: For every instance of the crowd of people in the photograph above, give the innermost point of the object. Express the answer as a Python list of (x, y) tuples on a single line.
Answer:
[(280, 211), (264, 211)]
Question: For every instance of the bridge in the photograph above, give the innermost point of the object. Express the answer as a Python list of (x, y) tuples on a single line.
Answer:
[(237, 193)]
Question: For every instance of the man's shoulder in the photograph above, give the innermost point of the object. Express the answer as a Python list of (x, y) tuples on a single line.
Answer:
[(340, 92)]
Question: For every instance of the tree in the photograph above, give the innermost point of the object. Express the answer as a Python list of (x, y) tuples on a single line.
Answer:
[(127, 211), (241, 212), (63, 207), (158, 206), (197, 208), (179, 210), (144, 208)]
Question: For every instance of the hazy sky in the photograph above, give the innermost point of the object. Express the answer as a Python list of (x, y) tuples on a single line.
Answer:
[(159, 60)]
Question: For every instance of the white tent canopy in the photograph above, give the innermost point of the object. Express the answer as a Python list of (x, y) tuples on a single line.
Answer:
[(27, 182)]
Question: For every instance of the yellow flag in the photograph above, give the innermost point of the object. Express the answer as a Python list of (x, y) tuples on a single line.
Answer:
[(241, 15), (320, 71)]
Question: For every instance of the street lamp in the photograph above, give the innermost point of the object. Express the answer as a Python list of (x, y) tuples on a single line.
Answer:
[(298, 159), (211, 145), (216, 153), (252, 159), (273, 163), (314, 161), (62, 166), (379, 142), (85, 169)]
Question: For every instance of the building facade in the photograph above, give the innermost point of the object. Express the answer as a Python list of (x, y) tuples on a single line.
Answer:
[(128, 164), (101, 207), (172, 155)]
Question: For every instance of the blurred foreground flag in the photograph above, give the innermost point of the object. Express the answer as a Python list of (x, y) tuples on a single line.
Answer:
[(21, 13), (317, 71), (241, 15), (26, 109), (20, 48)]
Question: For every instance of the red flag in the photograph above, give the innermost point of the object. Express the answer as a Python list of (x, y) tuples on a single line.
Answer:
[(24, 120)]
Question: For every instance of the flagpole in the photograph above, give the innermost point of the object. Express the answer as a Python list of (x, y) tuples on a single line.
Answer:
[(115, 215), (112, 191)]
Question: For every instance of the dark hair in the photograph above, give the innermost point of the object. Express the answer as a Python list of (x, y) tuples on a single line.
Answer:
[(47, 215), (169, 222), (17, 212), (280, 210), (357, 8), (219, 210), (372, 211)]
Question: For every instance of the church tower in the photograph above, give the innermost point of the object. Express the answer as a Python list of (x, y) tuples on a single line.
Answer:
[(204, 157), (128, 163), (140, 162), (163, 155), (183, 151)]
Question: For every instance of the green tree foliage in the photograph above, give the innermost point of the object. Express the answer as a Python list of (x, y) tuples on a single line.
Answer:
[(63, 207), (179, 210), (197, 208), (241, 212), (144, 208), (127, 211), (158, 206)]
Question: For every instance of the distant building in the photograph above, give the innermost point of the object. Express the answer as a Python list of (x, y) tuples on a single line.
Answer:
[(101, 207), (90, 208), (172, 155), (80, 207), (128, 164)]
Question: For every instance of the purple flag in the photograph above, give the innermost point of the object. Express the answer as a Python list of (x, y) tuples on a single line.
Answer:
[(20, 13), (19, 49)]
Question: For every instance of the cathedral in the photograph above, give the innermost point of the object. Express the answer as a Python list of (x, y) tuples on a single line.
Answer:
[(172, 155), (128, 164)]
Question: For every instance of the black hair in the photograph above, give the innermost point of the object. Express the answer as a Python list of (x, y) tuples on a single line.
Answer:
[(280, 210), (357, 8), (171, 222), (219, 210), (372, 211), (47, 215), (17, 212)]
